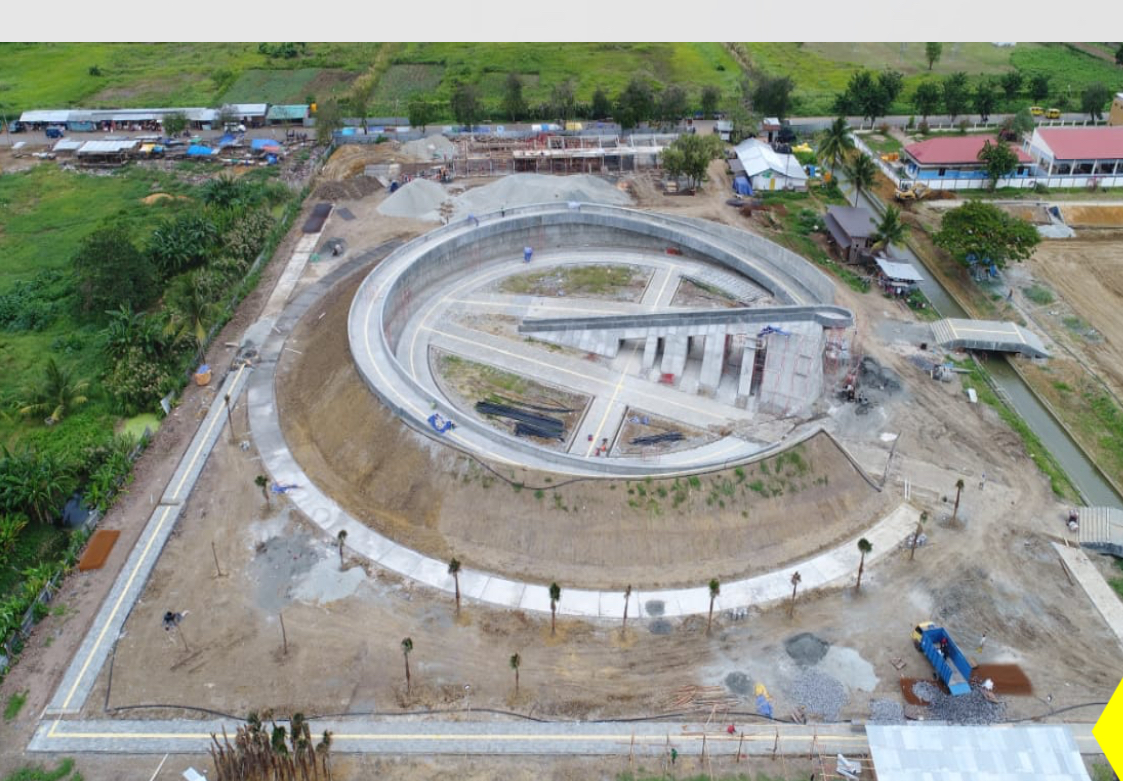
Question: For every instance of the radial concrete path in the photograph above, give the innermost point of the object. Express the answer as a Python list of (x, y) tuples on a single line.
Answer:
[(828, 568)]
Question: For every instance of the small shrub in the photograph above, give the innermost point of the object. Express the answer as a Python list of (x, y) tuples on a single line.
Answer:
[(539, 494), (963, 126), (14, 705), (1039, 295), (923, 127), (694, 481), (1041, 187)]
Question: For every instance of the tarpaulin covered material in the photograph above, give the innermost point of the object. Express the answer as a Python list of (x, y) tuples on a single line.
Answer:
[(199, 151), (741, 185), (265, 143), (227, 140), (317, 219)]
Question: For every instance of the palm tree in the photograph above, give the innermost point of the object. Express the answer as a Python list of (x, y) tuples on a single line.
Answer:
[(323, 750), (627, 596), (890, 230), (958, 491), (407, 646), (516, 660), (916, 535), (715, 589), (796, 579), (836, 143), (555, 595), (342, 538), (862, 172), (189, 314), (262, 482), (865, 547), (454, 570), (58, 394)]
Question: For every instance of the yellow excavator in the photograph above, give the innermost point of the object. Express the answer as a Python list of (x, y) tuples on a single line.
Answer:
[(911, 191)]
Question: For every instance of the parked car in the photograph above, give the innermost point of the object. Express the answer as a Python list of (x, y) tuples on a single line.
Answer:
[(54, 132), (1036, 111), (1053, 113)]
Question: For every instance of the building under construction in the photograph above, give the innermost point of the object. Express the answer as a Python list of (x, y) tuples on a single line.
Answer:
[(553, 154)]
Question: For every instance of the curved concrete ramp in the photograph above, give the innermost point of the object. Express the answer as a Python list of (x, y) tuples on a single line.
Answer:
[(1101, 529), (993, 335)]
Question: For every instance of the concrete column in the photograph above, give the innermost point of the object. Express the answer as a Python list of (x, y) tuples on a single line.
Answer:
[(649, 350), (713, 358), (744, 383), (674, 355)]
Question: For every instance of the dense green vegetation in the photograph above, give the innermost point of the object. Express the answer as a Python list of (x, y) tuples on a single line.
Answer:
[(40, 773), (107, 296)]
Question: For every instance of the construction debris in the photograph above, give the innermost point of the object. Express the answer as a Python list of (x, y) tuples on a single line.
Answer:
[(527, 423), (655, 439)]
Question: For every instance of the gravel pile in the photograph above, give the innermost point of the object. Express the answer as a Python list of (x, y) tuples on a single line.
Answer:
[(819, 694), (528, 189), (739, 683), (971, 708), (886, 712), (420, 199), (806, 649), (434, 148)]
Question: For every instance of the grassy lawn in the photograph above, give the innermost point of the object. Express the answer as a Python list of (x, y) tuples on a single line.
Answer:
[(882, 144), (544, 65), (57, 75), (822, 70)]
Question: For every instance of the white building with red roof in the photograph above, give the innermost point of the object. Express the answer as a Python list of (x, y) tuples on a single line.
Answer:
[(1079, 152), (946, 159)]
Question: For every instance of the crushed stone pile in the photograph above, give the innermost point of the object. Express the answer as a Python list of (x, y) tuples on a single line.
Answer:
[(819, 694), (420, 199), (971, 708), (886, 712), (806, 649), (435, 148), (528, 189)]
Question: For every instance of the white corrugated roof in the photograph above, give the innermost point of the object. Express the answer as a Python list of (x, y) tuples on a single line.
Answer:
[(995, 753), (247, 109), (106, 147), (905, 271), (758, 157), (68, 145), (49, 115)]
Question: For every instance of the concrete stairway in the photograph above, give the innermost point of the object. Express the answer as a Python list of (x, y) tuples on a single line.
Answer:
[(941, 332), (744, 291), (1101, 529)]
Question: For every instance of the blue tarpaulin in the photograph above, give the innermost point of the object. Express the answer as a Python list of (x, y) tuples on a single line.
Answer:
[(199, 151), (265, 143), (742, 186), (226, 140)]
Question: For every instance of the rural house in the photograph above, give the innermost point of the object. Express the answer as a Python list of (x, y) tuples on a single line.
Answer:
[(769, 170), (851, 229), (1079, 151), (955, 157)]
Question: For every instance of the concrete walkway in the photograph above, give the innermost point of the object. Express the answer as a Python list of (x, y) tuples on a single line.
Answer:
[(1103, 597), (441, 734), (108, 623)]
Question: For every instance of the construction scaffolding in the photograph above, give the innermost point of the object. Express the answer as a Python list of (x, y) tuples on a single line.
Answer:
[(550, 154)]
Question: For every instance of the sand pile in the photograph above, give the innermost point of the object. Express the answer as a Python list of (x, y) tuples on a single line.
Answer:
[(420, 199), (435, 148), (527, 189)]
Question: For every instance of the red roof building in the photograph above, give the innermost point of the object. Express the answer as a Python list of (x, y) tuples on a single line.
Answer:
[(955, 157), (1078, 151)]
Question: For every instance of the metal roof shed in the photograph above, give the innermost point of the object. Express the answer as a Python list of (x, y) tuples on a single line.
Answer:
[(905, 272), (50, 116), (994, 753), (289, 113)]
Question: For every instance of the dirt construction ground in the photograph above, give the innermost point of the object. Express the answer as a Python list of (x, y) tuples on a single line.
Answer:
[(992, 572)]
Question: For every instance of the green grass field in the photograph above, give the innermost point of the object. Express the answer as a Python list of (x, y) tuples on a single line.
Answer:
[(56, 75), (544, 65), (822, 70)]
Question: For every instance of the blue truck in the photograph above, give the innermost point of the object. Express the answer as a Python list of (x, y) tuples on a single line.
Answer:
[(951, 666)]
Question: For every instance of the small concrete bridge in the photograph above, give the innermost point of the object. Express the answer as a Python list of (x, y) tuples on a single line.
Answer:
[(1101, 529), (993, 335)]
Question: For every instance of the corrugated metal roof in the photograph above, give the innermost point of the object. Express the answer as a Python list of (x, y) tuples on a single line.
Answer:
[(956, 150), (905, 271), (995, 753), (855, 220), (758, 157), (48, 115), (107, 147), (287, 112), (67, 145), (246, 109), (1084, 143)]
